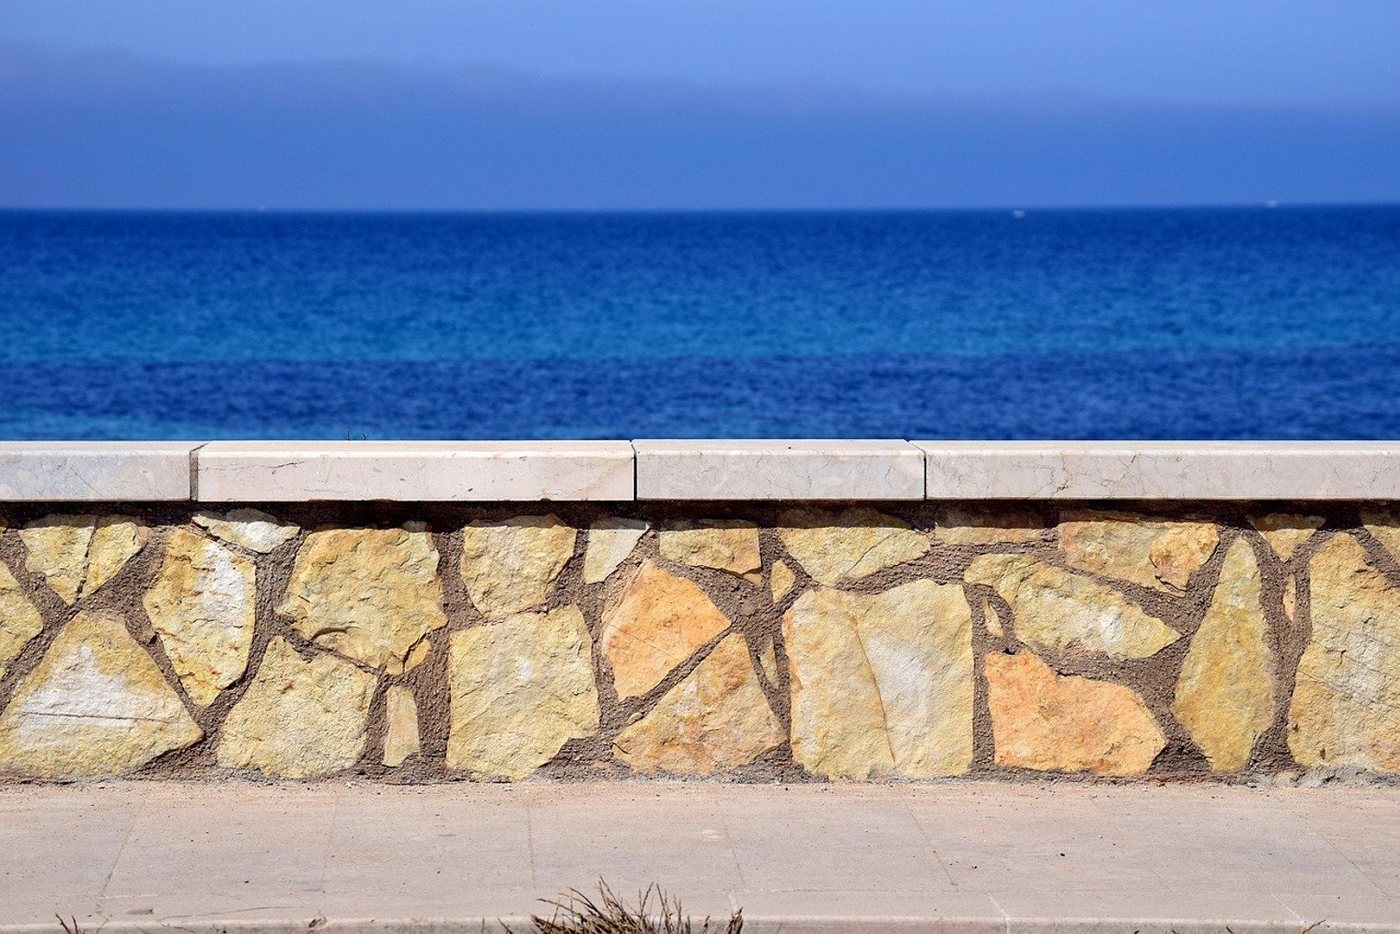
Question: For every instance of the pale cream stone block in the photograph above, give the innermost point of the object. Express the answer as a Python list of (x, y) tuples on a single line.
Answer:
[(414, 471), (764, 470), (95, 471)]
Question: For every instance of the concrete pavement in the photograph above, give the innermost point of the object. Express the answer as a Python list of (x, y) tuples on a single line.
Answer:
[(963, 856)]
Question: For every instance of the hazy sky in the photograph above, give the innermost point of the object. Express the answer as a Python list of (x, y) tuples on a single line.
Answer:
[(696, 103)]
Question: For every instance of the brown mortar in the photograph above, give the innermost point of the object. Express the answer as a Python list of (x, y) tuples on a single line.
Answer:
[(749, 606)]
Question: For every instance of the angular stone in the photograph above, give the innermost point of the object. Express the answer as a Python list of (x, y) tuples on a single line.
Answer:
[(661, 621), (369, 594), (958, 525), (401, 712), (96, 706), (299, 718), (418, 655), (881, 685), (1346, 703), (115, 541), (716, 720), (610, 542), (1160, 553), (78, 554), (726, 544), (1225, 695), (19, 620), (768, 661), (248, 528), (992, 620), (1384, 524), (780, 580), (510, 565), (521, 689), (1064, 723), (1285, 531), (202, 605), (838, 547), (57, 548), (1054, 610)]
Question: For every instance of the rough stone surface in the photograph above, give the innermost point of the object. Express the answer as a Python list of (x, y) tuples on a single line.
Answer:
[(1285, 531), (1346, 704), (1151, 552), (202, 605), (1065, 723), (881, 685), (839, 547), (780, 580), (402, 716), (510, 565), (19, 620), (96, 705), (716, 720), (57, 548), (963, 526), (725, 544), (1384, 524), (248, 528), (299, 719), (1055, 610), (1225, 695), (115, 541), (521, 689), (610, 542), (661, 621), (369, 594)]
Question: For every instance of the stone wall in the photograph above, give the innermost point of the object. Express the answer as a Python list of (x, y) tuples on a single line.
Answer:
[(732, 641)]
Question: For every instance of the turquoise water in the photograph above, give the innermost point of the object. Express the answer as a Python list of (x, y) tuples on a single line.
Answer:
[(1201, 323)]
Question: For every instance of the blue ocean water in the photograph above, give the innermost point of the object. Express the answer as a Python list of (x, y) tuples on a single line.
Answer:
[(1190, 323)]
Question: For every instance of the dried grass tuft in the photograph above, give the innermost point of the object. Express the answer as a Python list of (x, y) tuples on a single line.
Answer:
[(580, 914)]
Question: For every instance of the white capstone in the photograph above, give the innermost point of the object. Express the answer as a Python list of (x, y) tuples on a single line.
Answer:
[(771, 470), (95, 471), (414, 471), (1225, 470)]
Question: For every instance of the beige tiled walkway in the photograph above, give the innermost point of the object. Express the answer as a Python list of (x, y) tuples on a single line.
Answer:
[(962, 856)]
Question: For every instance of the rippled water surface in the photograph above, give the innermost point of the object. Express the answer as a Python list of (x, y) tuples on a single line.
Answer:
[(1202, 323)]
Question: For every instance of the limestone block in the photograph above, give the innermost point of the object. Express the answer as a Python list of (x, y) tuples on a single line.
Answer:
[(1160, 553), (78, 554), (247, 528), (1225, 695), (510, 565), (1064, 723), (369, 594), (958, 525), (1346, 704), (401, 740), (1055, 610), (203, 604), (1384, 524), (1285, 531), (19, 620), (661, 621), (835, 548), (714, 721), (299, 718), (610, 542), (97, 705), (780, 580), (726, 544), (521, 689), (881, 685)]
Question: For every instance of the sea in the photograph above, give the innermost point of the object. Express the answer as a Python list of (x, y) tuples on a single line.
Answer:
[(1203, 323)]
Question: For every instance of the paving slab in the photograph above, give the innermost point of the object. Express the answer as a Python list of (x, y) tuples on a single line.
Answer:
[(965, 857)]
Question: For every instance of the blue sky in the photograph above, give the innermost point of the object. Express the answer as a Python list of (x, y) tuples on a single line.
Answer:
[(696, 103)]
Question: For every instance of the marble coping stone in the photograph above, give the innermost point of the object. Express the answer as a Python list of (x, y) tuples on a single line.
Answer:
[(95, 471), (616, 471), (417, 471), (1189, 470), (775, 470)]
